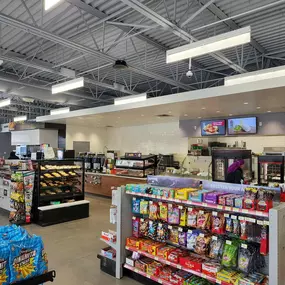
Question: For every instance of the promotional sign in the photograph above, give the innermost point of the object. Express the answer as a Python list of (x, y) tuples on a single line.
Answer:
[(242, 126), (213, 127)]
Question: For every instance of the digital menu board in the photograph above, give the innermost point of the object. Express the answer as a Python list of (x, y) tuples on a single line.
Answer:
[(213, 127), (242, 126)]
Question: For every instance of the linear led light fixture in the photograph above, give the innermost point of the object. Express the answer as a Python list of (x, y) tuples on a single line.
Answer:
[(50, 3), (209, 45), (130, 99), (20, 119), (269, 73), (60, 111), (5, 102), (68, 85)]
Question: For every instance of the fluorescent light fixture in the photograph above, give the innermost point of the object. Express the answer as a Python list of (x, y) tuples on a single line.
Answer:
[(50, 3), (68, 85), (269, 73), (209, 45), (20, 119), (130, 99), (5, 102), (60, 111)]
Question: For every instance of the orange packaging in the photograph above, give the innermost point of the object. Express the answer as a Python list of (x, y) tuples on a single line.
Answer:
[(133, 242), (145, 244), (152, 249), (164, 251)]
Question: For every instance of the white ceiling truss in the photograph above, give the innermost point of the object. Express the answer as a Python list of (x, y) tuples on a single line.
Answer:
[(88, 36)]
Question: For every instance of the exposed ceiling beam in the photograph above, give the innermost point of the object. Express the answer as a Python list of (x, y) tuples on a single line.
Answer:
[(144, 10), (82, 48), (221, 15)]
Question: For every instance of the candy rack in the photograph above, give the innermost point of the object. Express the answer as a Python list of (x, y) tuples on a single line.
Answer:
[(274, 220)]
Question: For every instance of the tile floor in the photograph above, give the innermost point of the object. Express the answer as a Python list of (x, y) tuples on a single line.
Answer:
[(72, 247)]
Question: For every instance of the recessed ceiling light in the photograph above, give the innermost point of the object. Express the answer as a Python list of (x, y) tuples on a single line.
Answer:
[(142, 115), (268, 111), (203, 108), (119, 117), (230, 115), (185, 115), (245, 103), (199, 117), (169, 112), (258, 107), (218, 111)]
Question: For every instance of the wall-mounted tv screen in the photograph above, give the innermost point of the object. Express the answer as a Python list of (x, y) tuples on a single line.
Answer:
[(213, 127), (242, 126)]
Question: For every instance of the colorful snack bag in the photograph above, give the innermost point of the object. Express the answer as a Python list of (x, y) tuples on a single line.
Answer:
[(183, 217), (192, 217), (144, 207), (162, 232), (173, 235), (173, 214), (243, 230), (182, 237), (203, 220), (229, 225), (163, 211), (152, 229), (136, 205), (236, 227), (143, 227), (216, 247), (249, 200), (245, 256), (218, 223), (43, 260), (202, 244), (153, 210), (136, 227), (4, 264), (191, 239), (230, 254)]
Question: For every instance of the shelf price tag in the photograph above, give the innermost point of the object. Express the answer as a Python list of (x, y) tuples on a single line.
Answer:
[(228, 208), (214, 238), (243, 245), (215, 213), (180, 229), (229, 242), (159, 203), (259, 222), (148, 276), (169, 205), (167, 262), (233, 217), (220, 207), (266, 223), (244, 210), (204, 204), (190, 209), (190, 231), (241, 218), (134, 218), (180, 207), (150, 202), (250, 220), (226, 215), (202, 235), (201, 212), (170, 227), (218, 281)]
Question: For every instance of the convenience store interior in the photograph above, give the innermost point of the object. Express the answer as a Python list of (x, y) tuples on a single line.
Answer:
[(109, 109)]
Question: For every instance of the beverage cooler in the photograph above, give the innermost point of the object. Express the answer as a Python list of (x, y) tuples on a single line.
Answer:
[(222, 158), (270, 169)]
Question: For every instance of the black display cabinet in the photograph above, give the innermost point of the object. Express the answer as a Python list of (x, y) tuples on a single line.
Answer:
[(270, 169), (222, 158), (59, 191), (141, 166)]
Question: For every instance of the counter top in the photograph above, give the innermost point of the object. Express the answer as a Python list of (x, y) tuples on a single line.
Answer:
[(114, 175)]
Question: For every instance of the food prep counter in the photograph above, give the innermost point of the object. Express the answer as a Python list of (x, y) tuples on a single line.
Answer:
[(101, 184)]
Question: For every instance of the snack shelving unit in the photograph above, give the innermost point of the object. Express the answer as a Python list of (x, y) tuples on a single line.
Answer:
[(59, 192), (274, 220)]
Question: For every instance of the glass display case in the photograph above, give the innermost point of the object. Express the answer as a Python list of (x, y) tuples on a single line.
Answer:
[(270, 169), (222, 158), (136, 166)]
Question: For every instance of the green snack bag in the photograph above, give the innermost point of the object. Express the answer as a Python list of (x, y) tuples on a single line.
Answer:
[(230, 254)]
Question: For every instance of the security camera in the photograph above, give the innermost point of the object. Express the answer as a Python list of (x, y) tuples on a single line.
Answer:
[(189, 73)]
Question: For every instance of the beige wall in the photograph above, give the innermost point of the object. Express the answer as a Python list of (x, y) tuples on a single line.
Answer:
[(96, 137)]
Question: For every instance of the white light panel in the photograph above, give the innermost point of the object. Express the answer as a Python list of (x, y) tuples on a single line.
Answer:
[(209, 45), (5, 102), (254, 76), (20, 119), (68, 85), (60, 111), (50, 3), (130, 99)]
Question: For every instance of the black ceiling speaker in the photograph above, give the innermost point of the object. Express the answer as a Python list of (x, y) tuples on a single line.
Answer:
[(120, 64)]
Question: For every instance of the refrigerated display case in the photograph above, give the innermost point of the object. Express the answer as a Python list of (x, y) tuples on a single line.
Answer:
[(137, 166), (270, 169), (222, 158)]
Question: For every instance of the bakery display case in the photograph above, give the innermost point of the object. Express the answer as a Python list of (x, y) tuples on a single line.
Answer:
[(270, 169), (59, 191), (222, 158), (136, 166)]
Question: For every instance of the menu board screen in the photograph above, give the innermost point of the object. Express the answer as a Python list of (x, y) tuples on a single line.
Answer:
[(242, 126), (213, 127)]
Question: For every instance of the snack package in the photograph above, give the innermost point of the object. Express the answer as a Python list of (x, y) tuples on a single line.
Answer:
[(192, 217), (144, 210), (212, 197), (236, 227), (202, 244), (191, 239), (133, 242), (178, 277), (249, 200), (152, 229), (153, 268), (164, 251), (25, 258), (216, 247), (136, 205), (218, 223), (211, 268), (163, 211), (203, 220), (153, 210), (142, 263), (264, 200), (166, 272), (143, 227), (239, 202), (4, 264), (264, 241), (183, 217), (175, 255), (230, 254), (182, 237), (43, 260), (245, 258), (243, 230), (136, 227), (173, 214), (173, 235), (162, 232), (192, 262)]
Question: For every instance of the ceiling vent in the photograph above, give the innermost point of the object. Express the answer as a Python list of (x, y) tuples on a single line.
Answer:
[(109, 127), (164, 115), (120, 64)]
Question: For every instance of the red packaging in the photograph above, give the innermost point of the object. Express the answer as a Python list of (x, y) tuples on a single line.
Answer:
[(145, 244), (153, 268), (190, 262), (218, 223), (264, 242), (166, 272), (211, 268), (141, 264), (163, 252), (133, 242), (175, 255)]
